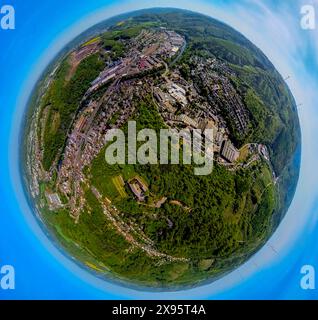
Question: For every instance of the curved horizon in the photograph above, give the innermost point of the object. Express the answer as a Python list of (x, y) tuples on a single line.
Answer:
[(216, 289)]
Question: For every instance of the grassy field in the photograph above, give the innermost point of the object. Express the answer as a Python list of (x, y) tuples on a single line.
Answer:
[(92, 41), (119, 184), (244, 152)]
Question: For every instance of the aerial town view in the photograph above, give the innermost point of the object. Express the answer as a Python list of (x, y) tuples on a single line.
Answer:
[(160, 225)]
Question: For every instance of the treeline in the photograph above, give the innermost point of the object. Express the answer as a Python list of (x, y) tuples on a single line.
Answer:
[(61, 102)]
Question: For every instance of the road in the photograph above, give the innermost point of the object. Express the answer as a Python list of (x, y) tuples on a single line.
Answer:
[(125, 230)]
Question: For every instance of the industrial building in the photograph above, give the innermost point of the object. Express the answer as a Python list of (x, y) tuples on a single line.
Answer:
[(229, 152)]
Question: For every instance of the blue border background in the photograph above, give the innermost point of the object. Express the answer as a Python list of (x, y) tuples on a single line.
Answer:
[(42, 29)]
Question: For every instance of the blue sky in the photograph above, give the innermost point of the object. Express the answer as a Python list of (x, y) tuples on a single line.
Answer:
[(42, 29)]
